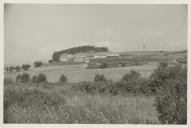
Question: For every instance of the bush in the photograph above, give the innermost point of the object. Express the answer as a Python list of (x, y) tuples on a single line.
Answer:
[(131, 76), (11, 68), (170, 84), (94, 87), (35, 79), (24, 78), (63, 79), (38, 64), (50, 61), (161, 74), (131, 83), (17, 68), (19, 78), (25, 67), (100, 78), (42, 78)]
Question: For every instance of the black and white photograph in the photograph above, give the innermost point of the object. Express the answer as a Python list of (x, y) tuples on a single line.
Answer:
[(95, 63)]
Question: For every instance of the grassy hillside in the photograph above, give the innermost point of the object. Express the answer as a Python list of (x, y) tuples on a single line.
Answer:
[(77, 73), (139, 58)]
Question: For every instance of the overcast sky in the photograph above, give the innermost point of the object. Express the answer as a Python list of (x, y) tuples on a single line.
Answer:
[(34, 32)]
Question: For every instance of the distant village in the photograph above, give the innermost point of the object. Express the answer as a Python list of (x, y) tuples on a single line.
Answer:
[(86, 57)]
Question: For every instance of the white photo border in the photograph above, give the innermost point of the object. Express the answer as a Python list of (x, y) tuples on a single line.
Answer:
[(2, 2)]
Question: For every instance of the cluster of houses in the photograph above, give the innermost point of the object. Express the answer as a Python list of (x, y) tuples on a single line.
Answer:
[(86, 57)]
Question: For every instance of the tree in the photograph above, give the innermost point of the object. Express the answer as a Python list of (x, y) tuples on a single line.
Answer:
[(56, 56), (25, 67), (24, 78), (19, 78), (17, 68), (63, 79), (38, 64), (50, 61), (11, 68), (35, 79), (42, 78), (131, 76)]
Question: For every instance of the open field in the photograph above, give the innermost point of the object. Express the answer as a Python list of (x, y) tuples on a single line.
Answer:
[(23, 103), (77, 73)]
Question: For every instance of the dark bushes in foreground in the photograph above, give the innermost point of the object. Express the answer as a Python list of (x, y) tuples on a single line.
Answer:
[(131, 83), (40, 78), (170, 85), (23, 78), (100, 87), (167, 83)]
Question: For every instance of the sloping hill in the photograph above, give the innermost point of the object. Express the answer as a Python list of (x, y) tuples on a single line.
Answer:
[(80, 49)]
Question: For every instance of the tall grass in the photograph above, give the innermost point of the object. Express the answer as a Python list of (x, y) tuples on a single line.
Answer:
[(40, 104)]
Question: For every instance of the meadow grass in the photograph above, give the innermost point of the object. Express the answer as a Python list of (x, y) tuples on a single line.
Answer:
[(28, 103), (76, 73)]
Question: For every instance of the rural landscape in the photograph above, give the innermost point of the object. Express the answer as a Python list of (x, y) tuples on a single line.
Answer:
[(91, 84), (119, 87)]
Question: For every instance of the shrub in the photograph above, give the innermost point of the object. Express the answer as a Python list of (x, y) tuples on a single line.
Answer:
[(161, 74), (19, 78), (42, 78), (25, 78), (38, 64), (63, 79), (100, 78), (131, 83), (50, 61), (17, 68), (132, 75), (170, 84), (11, 68), (35, 79), (25, 67), (94, 87)]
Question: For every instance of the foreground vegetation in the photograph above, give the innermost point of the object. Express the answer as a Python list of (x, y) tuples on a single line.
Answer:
[(46, 104), (161, 98)]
